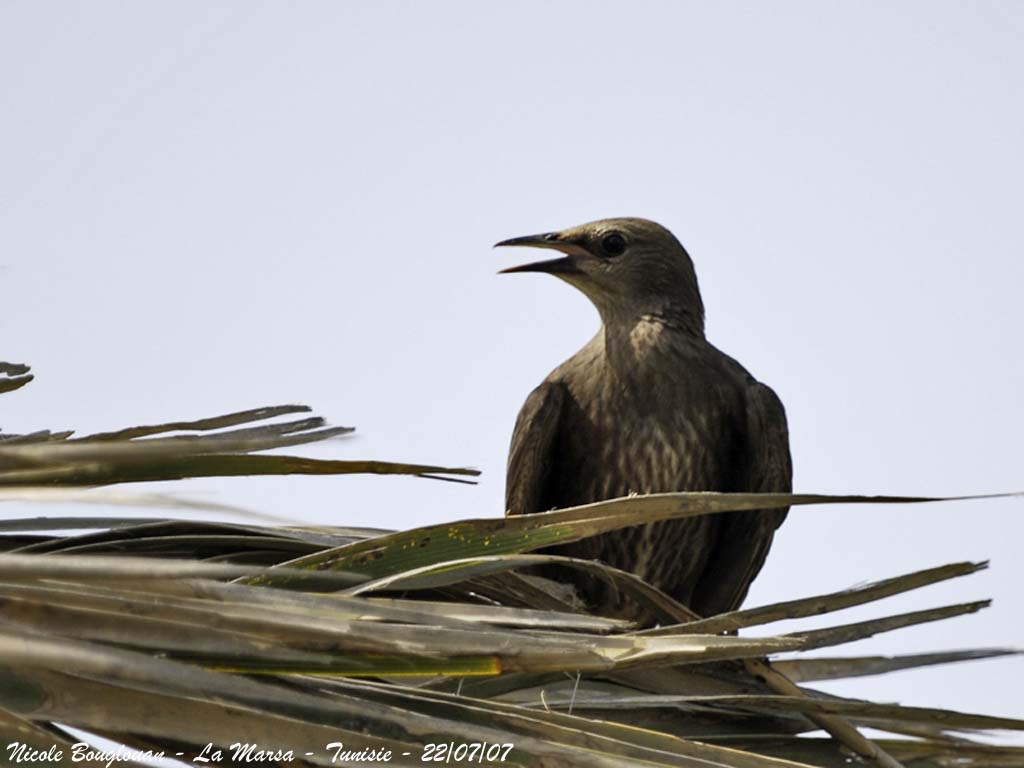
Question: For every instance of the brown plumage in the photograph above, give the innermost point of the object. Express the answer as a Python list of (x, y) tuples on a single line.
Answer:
[(649, 406)]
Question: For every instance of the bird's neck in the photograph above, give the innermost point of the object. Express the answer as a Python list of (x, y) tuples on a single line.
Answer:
[(634, 340)]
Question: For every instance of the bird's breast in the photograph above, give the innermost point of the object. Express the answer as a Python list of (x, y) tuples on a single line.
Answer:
[(621, 443), (614, 446)]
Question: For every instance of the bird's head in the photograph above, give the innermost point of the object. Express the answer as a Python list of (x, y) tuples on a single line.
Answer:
[(627, 267)]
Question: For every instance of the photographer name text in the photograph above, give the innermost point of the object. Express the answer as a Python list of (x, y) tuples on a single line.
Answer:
[(465, 753)]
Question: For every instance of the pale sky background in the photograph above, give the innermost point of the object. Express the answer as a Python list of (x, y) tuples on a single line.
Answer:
[(212, 206)]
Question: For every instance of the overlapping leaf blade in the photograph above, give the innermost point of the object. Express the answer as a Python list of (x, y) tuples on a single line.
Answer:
[(170, 634)]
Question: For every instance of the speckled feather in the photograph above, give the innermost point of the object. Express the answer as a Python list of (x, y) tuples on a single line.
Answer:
[(649, 406)]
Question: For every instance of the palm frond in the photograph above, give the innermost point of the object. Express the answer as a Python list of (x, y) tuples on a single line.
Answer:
[(220, 446), (117, 636), (169, 635)]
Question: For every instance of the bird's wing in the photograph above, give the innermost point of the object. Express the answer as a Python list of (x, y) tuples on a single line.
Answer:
[(530, 457), (745, 537)]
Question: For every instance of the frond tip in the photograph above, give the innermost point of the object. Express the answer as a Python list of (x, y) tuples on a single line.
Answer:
[(221, 446)]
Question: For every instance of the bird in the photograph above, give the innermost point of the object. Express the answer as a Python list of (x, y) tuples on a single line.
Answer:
[(648, 405)]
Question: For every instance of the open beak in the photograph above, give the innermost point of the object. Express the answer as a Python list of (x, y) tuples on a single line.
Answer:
[(561, 266)]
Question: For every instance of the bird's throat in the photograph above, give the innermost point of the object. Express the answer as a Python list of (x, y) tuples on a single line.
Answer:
[(635, 346)]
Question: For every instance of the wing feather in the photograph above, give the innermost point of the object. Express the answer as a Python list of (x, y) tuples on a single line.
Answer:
[(530, 457), (746, 537)]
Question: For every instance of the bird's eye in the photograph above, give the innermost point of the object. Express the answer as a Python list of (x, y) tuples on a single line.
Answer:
[(613, 244)]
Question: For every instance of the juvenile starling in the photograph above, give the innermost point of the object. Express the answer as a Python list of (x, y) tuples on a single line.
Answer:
[(649, 406)]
